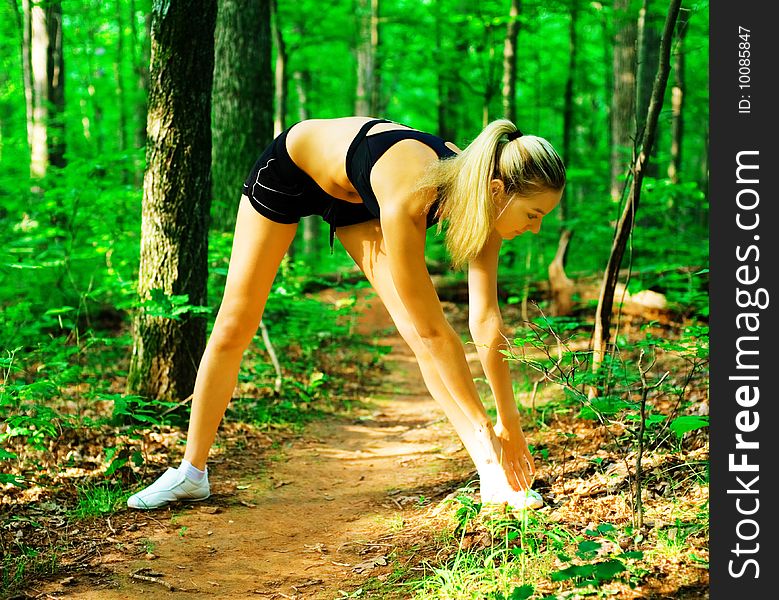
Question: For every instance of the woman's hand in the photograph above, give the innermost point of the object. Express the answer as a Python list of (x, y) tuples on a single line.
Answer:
[(515, 456)]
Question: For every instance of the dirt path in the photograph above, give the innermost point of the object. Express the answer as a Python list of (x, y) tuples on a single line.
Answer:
[(312, 525)]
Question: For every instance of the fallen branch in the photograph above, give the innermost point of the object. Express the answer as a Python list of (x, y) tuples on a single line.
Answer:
[(274, 359)]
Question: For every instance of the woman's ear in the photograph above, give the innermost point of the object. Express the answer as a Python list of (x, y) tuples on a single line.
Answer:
[(496, 187)]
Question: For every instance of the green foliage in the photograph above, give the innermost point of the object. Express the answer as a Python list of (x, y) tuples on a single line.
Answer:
[(97, 500), (170, 306), (591, 570), (522, 592), (71, 240), (685, 423), (619, 380)]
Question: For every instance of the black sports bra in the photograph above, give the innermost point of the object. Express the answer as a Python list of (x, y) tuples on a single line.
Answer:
[(365, 150)]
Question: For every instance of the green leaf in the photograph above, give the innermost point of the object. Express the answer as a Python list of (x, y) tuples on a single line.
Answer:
[(606, 528), (522, 592), (608, 569), (5, 454), (588, 549), (59, 311), (115, 465), (685, 423), (12, 479), (572, 572)]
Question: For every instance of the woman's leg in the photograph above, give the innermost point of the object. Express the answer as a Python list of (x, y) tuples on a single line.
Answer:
[(258, 247), (364, 243)]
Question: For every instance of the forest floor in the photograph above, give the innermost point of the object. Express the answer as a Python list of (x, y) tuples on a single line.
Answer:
[(320, 518), (355, 506)]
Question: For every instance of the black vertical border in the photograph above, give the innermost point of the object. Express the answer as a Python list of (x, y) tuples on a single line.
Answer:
[(731, 132)]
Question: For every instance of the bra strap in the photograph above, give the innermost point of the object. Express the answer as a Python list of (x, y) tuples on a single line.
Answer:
[(330, 215), (357, 139)]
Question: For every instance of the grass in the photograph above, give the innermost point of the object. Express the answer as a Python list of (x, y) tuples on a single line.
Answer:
[(523, 555), (99, 499), (22, 562)]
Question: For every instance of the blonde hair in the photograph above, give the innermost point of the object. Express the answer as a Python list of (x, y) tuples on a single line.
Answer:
[(527, 165)]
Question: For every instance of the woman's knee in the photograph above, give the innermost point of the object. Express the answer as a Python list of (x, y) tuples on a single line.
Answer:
[(409, 333), (233, 332)]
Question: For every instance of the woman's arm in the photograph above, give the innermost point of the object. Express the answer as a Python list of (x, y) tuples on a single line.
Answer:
[(404, 238), (486, 326)]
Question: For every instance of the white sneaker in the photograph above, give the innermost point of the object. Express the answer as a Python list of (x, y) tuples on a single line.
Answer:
[(520, 500), (171, 486)]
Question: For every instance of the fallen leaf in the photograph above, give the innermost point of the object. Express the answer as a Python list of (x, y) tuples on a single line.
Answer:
[(369, 564)]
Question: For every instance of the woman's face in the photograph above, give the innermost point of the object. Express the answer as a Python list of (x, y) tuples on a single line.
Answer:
[(518, 214)]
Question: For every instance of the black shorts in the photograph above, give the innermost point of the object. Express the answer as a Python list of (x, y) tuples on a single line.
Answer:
[(279, 190)]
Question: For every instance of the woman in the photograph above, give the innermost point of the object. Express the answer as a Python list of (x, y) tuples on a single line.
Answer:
[(380, 184)]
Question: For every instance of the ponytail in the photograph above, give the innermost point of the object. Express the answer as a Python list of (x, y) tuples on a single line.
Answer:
[(527, 164)]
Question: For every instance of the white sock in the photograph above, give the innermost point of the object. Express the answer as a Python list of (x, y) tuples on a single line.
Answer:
[(191, 471)]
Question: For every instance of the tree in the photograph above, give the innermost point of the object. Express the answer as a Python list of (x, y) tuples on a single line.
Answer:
[(677, 98), (509, 88), (560, 286), (623, 97), (647, 45), (450, 62), (44, 83), (280, 71), (243, 100), (120, 93), (140, 58), (368, 67), (601, 332), (176, 200)]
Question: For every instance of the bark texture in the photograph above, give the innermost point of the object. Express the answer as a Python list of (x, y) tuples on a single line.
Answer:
[(509, 87), (623, 97), (243, 101), (677, 98), (280, 71), (176, 197), (368, 69)]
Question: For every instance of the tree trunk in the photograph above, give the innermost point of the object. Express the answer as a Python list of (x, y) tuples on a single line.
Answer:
[(176, 198), (509, 87), (26, 26), (243, 101), (493, 82), (141, 70), (39, 50), (623, 94), (55, 69), (280, 114), (120, 94), (97, 111), (440, 74), (601, 332), (368, 73), (677, 98), (450, 61), (310, 224), (561, 287), (568, 104), (647, 44), (376, 88)]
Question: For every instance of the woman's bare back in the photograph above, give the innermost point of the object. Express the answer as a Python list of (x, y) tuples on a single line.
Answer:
[(319, 147)]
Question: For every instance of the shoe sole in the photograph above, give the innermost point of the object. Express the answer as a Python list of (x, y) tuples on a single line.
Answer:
[(170, 502)]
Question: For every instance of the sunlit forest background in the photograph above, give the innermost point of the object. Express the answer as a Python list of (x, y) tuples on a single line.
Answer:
[(77, 79)]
